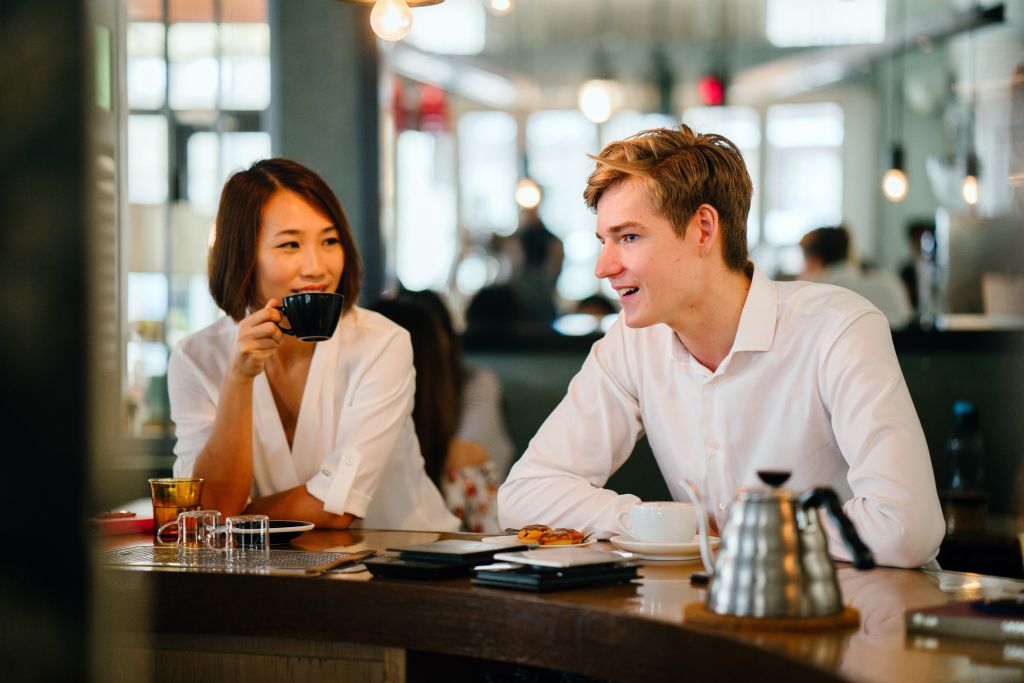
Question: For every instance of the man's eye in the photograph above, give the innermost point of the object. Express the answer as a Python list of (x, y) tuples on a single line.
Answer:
[(629, 237)]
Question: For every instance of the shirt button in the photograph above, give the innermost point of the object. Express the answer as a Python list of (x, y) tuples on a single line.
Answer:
[(722, 506), (349, 460), (713, 445)]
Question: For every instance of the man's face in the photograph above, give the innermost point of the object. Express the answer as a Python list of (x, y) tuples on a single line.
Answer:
[(658, 275)]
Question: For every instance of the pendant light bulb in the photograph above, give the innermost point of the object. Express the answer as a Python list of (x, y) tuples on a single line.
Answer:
[(969, 190), (969, 185), (894, 185), (391, 19), (527, 193), (500, 7), (599, 99), (894, 181)]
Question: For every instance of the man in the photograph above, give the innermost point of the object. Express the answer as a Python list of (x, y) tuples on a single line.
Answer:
[(725, 371), (827, 259)]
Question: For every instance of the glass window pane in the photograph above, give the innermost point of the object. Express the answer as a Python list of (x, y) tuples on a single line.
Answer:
[(147, 159), (192, 51), (203, 150), (190, 10), (240, 151), (804, 187), (245, 66), (425, 196), (557, 144), (488, 171), (794, 23), (456, 27), (147, 71)]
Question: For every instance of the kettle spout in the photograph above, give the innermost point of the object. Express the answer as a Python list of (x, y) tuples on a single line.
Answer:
[(703, 524)]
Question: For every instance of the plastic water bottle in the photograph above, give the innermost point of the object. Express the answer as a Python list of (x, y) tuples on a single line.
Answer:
[(964, 498)]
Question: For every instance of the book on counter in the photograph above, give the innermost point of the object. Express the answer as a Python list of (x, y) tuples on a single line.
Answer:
[(438, 560), (1001, 619), (556, 569)]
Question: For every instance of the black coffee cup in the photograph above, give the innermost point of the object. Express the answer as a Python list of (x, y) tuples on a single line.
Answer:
[(313, 315)]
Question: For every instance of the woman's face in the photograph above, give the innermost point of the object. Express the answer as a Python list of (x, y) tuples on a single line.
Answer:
[(298, 249)]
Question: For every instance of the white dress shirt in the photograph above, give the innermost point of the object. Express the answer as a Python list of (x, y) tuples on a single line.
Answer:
[(354, 446), (811, 385), (880, 287)]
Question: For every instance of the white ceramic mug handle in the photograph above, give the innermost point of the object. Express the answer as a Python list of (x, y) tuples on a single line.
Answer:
[(618, 520), (160, 531)]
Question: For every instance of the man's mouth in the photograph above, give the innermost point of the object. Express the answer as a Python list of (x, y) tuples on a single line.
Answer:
[(628, 291)]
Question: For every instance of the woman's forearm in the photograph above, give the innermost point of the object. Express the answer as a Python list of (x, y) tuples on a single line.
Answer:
[(297, 503), (226, 460)]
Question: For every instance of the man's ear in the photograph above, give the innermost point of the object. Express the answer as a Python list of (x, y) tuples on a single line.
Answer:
[(706, 221)]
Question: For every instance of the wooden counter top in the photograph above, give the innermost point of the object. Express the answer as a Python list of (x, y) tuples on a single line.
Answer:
[(633, 632)]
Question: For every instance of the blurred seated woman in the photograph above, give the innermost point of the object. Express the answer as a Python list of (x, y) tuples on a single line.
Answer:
[(297, 430), (457, 412)]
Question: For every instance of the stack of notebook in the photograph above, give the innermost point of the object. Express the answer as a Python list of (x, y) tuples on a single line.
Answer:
[(437, 560), (555, 569)]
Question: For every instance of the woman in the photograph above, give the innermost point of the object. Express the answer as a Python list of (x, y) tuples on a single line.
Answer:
[(457, 412), (297, 430)]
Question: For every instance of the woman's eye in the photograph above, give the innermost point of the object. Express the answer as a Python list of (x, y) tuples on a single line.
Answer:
[(288, 245), (331, 241)]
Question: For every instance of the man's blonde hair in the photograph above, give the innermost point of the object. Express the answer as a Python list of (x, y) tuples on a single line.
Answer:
[(680, 171)]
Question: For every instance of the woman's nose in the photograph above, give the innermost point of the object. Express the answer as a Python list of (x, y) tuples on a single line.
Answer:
[(312, 262)]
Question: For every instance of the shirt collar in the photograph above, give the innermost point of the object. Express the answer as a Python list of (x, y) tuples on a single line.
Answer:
[(759, 317)]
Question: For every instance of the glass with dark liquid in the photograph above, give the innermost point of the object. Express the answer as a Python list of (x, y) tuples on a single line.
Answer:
[(172, 496)]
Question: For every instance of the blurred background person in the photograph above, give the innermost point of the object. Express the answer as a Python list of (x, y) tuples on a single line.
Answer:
[(535, 273), (917, 271), (457, 412), (827, 258)]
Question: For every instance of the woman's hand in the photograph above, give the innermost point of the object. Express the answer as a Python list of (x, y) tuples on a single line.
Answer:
[(258, 339)]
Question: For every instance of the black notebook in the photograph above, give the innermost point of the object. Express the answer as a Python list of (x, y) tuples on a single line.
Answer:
[(437, 560), (556, 569)]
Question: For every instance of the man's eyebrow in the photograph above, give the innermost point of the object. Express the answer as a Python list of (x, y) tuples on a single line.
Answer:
[(616, 229)]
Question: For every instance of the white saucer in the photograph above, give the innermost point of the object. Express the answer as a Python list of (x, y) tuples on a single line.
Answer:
[(662, 551), (512, 540)]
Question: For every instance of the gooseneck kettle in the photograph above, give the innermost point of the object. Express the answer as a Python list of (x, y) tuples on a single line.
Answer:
[(773, 560)]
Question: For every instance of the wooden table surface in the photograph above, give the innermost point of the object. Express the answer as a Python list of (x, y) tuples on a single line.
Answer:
[(630, 632)]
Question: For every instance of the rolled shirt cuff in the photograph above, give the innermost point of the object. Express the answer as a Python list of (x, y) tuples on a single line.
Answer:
[(334, 486)]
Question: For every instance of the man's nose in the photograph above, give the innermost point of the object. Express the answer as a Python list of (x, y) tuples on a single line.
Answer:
[(607, 262)]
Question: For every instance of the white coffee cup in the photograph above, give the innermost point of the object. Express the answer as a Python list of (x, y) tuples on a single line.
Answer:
[(660, 522)]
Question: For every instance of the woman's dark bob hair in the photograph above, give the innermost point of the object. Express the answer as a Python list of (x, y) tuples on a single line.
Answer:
[(232, 261)]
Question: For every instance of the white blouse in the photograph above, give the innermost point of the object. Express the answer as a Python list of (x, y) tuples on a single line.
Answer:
[(354, 446)]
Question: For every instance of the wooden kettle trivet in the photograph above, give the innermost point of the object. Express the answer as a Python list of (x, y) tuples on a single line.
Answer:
[(697, 613)]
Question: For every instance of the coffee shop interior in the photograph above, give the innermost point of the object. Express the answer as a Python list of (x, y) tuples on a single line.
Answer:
[(900, 121)]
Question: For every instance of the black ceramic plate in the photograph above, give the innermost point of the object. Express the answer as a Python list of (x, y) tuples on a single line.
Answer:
[(286, 530)]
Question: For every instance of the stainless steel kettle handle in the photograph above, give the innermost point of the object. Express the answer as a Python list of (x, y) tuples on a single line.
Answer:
[(703, 522), (826, 498)]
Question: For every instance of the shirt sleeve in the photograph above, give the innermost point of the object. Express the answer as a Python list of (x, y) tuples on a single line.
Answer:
[(193, 399), (895, 506), (371, 428), (591, 433)]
